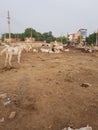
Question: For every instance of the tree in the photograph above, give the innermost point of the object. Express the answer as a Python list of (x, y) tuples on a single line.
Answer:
[(62, 39), (38, 36), (91, 39), (48, 37), (29, 32)]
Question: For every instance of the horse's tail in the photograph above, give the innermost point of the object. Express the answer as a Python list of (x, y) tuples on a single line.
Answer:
[(4, 51)]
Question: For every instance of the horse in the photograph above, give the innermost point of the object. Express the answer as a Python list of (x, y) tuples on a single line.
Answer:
[(10, 51)]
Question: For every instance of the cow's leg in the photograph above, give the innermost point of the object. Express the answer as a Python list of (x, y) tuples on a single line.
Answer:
[(19, 56), (6, 59), (10, 58)]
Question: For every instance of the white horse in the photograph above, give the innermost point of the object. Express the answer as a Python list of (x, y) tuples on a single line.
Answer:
[(10, 51)]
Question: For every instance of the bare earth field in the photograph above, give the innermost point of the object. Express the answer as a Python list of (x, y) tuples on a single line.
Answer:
[(46, 92)]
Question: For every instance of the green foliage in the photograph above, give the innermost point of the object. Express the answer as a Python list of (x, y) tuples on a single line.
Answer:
[(30, 32), (62, 39), (91, 39), (38, 36), (48, 37)]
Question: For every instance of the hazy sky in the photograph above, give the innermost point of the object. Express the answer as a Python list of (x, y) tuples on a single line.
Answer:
[(58, 16)]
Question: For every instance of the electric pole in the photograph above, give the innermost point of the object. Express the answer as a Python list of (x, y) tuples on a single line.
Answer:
[(9, 25)]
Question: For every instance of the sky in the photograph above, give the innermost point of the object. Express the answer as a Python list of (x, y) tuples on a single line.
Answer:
[(57, 16)]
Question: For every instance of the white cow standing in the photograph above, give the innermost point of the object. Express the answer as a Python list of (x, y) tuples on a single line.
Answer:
[(10, 51)]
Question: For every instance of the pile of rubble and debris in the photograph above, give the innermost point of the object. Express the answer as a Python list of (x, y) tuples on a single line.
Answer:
[(6, 105)]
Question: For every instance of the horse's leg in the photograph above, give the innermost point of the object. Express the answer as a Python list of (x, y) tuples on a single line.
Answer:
[(10, 58), (6, 59)]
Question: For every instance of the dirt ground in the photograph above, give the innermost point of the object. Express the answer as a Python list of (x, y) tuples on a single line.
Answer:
[(46, 93)]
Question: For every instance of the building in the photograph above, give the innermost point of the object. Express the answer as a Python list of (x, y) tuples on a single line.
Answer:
[(70, 36), (83, 34), (78, 37)]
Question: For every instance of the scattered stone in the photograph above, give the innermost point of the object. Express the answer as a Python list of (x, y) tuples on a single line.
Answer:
[(82, 128), (50, 127), (2, 120), (12, 115), (86, 85), (3, 95), (7, 102)]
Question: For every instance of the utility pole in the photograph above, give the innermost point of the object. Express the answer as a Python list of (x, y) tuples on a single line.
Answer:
[(9, 25)]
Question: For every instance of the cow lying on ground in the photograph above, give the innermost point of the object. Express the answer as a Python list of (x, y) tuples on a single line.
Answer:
[(49, 50)]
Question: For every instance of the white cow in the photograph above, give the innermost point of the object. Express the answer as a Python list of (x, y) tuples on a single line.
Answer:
[(59, 48), (10, 51), (45, 50)]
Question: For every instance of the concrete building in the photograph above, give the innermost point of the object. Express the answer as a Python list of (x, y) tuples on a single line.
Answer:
[(78, 37)]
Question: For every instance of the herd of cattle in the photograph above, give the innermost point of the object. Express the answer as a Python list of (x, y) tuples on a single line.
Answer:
[(11, 49), (17, 49)]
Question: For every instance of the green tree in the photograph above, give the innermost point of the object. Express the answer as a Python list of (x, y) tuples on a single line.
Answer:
[(62, 39), (29, 32), (48, 37), (91, 39)]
